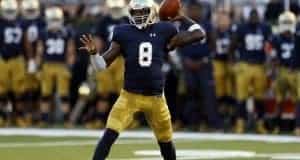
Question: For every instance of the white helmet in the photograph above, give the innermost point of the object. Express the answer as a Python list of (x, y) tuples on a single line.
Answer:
[(142, 12), (287, 22), (30, 9), (54, 18), (117, 8), (9, 9)]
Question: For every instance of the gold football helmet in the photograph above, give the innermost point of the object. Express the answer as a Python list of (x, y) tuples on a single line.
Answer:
[(9, 9), (287, 22)]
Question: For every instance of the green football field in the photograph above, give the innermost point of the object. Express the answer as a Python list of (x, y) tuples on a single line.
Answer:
[(79, 145)]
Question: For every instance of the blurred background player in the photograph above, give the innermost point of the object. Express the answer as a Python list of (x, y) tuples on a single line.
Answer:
[(109, 82), (283, 46), (32, 24), (200, 106), (223, 70), (12, 63), (57, 51), (250, 39)]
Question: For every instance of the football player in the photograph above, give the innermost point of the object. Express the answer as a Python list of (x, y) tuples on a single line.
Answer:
[(201, 104), (144, 43), (32, 25), (283, 46), (57, 50), (12, 62), (250, 40), (222, 65), (109, 82)]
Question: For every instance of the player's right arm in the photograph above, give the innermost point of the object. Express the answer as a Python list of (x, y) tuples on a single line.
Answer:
[(100, 61), (39, 51), (29, 50), (194, 33)]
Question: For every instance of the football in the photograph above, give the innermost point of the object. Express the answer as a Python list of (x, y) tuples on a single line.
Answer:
[(169, 9)]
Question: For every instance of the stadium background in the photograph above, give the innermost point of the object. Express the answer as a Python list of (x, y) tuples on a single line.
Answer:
[(203, 124)]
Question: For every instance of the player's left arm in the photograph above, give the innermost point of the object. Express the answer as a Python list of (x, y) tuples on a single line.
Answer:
[(194, 33), (28, 47), (100, 61), (30, 54), (39, 52), (71, 52)]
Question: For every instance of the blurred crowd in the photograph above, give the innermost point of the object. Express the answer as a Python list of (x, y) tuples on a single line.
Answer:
[(244, 77)]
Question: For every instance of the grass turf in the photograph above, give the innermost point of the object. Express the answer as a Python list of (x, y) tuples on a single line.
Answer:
[(72, 148)]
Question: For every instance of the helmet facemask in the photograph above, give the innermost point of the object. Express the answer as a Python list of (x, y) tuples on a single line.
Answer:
[(287, 26), (9, 14), (31, 13), (54, 24), (287, 22)]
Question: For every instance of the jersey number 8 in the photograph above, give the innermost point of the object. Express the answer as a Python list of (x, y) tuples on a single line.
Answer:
[(145, 54)]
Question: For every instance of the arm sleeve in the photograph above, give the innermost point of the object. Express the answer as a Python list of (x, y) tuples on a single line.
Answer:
[(238, 32), (274, 46), (268, 32), (195, 27), (71, 33), (117, 36), (41, 34), (100, 29)]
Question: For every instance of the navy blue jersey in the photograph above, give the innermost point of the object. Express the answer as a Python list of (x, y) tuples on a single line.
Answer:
[(284, 48), (196, 50), (222, 44), (144, 52), (11, 38), (104, 28), (251, 39), (55, 44), (33, 29)]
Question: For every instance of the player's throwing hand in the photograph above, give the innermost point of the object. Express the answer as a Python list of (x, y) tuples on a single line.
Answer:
[(89, 44)]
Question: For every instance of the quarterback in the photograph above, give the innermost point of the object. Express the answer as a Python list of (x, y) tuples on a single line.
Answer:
[(144, 44)]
